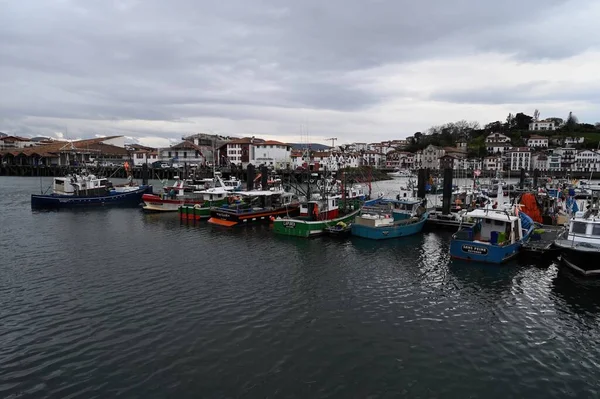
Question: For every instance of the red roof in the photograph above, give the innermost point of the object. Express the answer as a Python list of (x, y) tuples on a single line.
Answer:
[(14, 138), (273, 142)]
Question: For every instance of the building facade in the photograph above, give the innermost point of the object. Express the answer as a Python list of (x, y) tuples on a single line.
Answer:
[(519, 158), (542, 125), (497, 143), (273, 154), (536, 141)]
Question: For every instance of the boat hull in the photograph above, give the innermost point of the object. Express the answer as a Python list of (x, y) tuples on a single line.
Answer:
[(583, 261), (126, 199), (481, 252), (309, 228), (384, 233), (188, 212), (154, 203), (230, 218)]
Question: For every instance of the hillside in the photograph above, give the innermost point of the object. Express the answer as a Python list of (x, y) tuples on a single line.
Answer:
[(313, 146)]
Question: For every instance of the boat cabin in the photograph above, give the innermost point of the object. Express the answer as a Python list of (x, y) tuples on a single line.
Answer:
[(495, 227), (585, 225), (387, 212), (80, 185), (321, 209), (265, 199)]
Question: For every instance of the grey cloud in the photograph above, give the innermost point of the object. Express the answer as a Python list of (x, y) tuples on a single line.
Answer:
[(532, 92), (157, 60)]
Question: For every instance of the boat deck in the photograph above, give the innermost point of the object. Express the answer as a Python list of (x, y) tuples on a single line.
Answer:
[(544, 245)]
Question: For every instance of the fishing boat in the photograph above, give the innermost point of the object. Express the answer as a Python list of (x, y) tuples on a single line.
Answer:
[(87, 190), (175, 196), (255, 206), (491, 236), (323, 211), (387, 218), (210, 198), (579, 243)]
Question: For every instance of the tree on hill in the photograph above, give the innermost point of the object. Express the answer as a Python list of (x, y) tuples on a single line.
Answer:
[(522, 121), (510, 122), (557, 121)]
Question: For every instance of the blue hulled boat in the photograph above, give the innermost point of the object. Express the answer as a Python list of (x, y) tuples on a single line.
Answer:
[(87, 190), (492, 236), (386, 218)]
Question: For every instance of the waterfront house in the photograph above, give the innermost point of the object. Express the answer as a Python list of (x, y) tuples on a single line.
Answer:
[(272, 154), (431, 157), (492, 163), (186, 152), (142, 154), (539, 161), (587, 161), (567, 157), (240, 152), (519, 158)]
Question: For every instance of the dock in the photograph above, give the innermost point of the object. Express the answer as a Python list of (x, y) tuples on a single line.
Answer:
[(541, 243)]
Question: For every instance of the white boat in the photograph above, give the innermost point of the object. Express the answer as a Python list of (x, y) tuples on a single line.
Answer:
[(579, 244)]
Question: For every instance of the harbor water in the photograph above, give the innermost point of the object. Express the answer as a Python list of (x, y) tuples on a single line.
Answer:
[(114, 302)]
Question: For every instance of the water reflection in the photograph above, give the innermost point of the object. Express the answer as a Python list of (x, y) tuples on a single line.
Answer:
[(579, 294)]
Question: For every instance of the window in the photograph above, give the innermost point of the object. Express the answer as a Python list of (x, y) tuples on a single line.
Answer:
[(579, 227), (185, 154), (169, 154)]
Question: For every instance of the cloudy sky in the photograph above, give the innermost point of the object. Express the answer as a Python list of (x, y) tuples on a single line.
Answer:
[(155, 70)]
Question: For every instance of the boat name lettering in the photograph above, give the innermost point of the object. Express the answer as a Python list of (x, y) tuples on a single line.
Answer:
[(223, 215), (289, 224), (474, 250)]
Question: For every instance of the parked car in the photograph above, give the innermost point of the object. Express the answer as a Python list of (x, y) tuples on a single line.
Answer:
[(165, 165), (193, 165)]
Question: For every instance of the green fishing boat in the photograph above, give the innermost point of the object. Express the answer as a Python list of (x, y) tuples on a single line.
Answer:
[(322, 212)]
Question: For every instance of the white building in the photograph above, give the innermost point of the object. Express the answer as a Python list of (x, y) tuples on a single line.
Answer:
[(12, 142), (317, 160), (587, 161), (400, 159), (536, 141), (469, 164), (497, 143), (239, 152), (418, 159), (372, 158), (272, 153), (567, 157), (186, 152), (142, 154), (519, 158), (492, 162), (573, 140), (431, 157), (554, 162), (542, 125), (539, 161)]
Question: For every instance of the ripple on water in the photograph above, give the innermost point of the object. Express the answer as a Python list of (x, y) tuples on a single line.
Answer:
[(115, 302)]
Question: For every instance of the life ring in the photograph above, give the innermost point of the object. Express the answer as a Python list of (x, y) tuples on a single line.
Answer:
[(197, 206)]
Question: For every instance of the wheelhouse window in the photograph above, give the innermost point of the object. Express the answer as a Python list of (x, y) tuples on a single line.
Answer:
[(579, 227), (596, 230)]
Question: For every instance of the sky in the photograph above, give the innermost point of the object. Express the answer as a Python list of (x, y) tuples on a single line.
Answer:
[(294, 71)]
